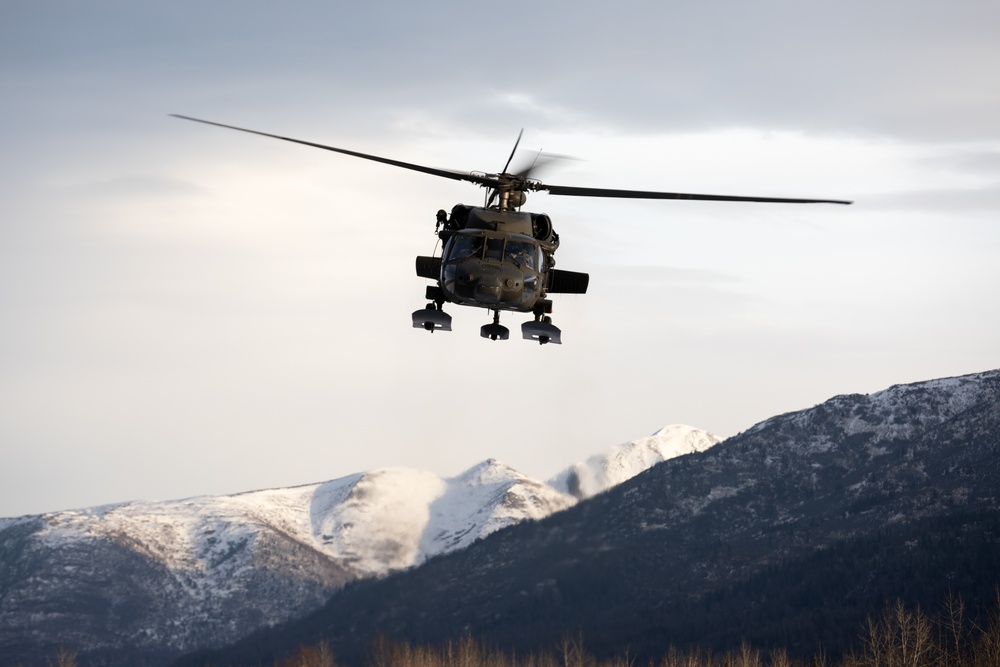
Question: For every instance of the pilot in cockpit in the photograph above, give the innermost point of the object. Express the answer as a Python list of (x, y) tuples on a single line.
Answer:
[(520, 254)]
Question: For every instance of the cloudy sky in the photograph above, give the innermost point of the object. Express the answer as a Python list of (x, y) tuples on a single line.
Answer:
[(188, 310)]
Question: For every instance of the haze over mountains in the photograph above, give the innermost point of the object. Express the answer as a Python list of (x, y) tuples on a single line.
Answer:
[(148, 580)]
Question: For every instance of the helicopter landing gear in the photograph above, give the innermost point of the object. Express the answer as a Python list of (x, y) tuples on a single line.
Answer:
[(495, 331), (541, 330), (432, 318)]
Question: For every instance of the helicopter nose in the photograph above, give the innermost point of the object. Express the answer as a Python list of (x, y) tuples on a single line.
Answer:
[(488, 292)]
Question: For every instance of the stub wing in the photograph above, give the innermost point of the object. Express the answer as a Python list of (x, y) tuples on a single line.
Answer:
[(567, 282)]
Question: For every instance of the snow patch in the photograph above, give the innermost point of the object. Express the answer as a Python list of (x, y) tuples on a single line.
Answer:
[(622, 462)]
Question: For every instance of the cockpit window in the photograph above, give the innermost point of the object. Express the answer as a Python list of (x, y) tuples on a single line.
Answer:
[(494, 249), (464, 246), (521, 253)]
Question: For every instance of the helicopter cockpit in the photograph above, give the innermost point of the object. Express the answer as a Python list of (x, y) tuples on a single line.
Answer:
[(503, 270)]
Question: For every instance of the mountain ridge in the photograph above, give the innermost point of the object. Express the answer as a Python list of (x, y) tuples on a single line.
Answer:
[(153, 578), (891, 494)]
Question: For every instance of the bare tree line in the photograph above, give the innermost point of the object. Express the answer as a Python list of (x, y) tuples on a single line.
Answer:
[(900, 637)]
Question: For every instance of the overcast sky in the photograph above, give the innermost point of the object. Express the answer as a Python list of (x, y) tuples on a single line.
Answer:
[(187, 310)]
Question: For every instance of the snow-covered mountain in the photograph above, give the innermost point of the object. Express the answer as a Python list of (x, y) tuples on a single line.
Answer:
[(158, 578), (788, 535), (395, 518), (602, 471)]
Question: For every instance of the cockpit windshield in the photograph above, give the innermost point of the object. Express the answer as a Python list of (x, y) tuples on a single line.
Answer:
[(494, 249), (523, 254), (464, 246)]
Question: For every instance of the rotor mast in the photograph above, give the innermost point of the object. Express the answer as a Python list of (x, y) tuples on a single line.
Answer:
[(510, 188), (511, 196)]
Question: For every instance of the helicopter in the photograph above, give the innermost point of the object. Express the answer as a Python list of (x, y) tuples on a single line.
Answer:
[(498, 257)]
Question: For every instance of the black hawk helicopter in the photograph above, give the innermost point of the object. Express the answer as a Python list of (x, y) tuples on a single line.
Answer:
[(498, 257)]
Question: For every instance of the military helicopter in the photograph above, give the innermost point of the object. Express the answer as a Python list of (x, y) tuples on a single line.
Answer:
[(498, 257)]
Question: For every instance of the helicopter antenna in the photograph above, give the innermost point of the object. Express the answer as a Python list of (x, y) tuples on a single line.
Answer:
[(533, 162)]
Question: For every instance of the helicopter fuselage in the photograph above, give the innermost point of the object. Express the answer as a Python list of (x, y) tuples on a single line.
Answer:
[(492, 270), (499, 260), (496, 259)]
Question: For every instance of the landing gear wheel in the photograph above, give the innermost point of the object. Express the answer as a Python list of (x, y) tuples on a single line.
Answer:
[(432, 318), (495, 331), (541, 330)]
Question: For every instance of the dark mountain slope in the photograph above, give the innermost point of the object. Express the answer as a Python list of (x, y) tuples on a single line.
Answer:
[(788, 534)]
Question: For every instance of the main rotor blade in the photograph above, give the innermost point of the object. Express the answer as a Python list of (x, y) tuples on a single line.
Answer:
[(541, 160), (571, 191), (444, 173), (513, 151)]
